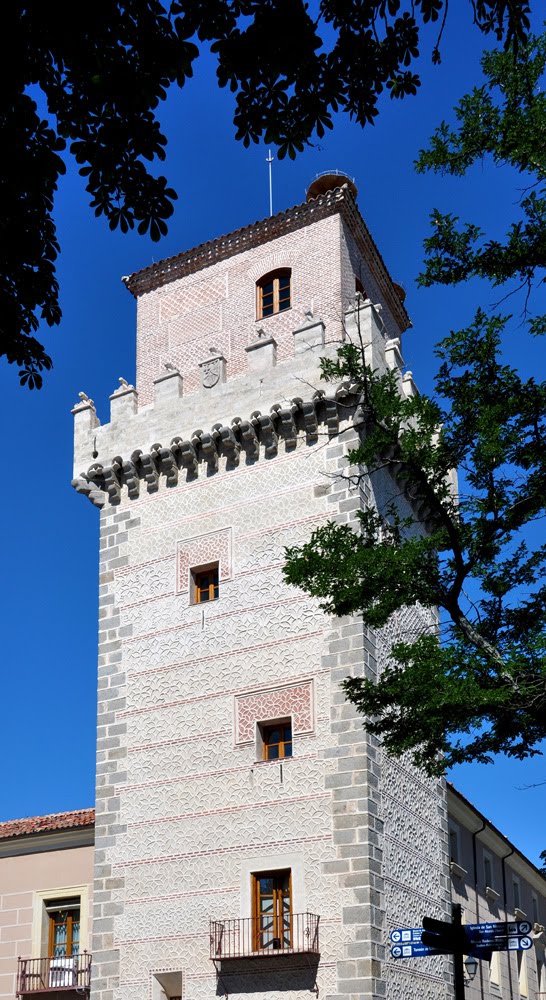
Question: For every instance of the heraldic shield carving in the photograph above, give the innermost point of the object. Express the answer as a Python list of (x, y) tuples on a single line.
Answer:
[(211, 372)]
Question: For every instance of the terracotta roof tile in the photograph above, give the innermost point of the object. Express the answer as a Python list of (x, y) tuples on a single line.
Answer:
[(339, 200), (43, 824)]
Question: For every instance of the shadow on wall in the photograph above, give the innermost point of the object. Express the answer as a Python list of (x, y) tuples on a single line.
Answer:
[(283, 973)]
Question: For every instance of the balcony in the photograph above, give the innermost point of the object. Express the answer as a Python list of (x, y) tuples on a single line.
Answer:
[(256, 937), (52, 975)]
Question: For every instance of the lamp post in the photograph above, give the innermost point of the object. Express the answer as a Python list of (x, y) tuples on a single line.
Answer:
[(471, 967)]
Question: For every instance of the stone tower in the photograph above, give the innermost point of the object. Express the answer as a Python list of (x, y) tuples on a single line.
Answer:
[(251, 837)]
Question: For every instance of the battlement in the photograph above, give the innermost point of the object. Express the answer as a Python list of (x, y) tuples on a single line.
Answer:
[(228, 420)]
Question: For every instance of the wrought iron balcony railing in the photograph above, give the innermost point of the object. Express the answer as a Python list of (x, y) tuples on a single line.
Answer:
[(48, 975), (254, 937)]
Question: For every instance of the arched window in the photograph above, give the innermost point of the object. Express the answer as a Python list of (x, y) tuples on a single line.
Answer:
[(274, 292), (359, 287)]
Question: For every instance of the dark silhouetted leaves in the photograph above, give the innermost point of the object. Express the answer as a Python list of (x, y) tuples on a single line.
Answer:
[(104, 73)]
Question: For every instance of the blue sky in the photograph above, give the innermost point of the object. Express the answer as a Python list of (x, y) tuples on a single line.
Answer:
[(49, 580)]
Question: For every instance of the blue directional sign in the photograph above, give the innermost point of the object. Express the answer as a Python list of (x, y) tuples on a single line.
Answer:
[(500, 944), (414, 950), (511, 943), (406, 935), (506, 928), (509, 935)]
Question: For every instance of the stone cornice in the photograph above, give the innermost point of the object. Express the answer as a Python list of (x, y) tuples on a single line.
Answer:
[(259, 436), (339, 201)]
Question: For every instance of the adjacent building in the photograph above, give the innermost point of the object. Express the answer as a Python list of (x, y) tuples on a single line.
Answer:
[(46, 892), (493, 881)]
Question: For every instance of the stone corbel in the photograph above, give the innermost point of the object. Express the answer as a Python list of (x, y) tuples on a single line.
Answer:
[(310, 418), (209, 449), (229, 443), (287, 420), (82, 485), (248, 437), (188, 455), (346, 400), (112, 479), (167, 463), (150, 471), (131, 477), (329, 407), (95, 474), (332, 416), (267, 432), (344, 392)]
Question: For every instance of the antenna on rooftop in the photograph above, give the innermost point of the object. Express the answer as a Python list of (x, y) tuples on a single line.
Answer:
[(269, 160)]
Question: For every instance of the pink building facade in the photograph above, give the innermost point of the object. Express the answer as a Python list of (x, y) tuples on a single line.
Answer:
[(46, 890)]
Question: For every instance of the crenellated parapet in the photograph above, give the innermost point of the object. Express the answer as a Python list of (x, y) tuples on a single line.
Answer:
[(117, 456), (260, 437)]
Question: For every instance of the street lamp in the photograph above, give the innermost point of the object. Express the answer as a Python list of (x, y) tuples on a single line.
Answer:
[(471, 967)]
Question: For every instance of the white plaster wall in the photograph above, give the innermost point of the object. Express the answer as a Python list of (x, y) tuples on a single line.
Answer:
[(197, 808), (192, 811)]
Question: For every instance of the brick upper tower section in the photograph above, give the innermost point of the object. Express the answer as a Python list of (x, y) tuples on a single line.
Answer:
[(202, 303)]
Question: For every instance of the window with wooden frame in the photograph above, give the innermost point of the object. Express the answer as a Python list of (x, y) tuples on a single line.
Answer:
[(64, 927), (276, 739), (204, 584), (272, 910), (274, 293)]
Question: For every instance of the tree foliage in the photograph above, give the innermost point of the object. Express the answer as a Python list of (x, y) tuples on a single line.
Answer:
[(476, 684), (504, 119), (102, 75)]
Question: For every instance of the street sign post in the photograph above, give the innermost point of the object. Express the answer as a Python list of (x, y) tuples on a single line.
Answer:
[(447, 937), (441, 937)]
